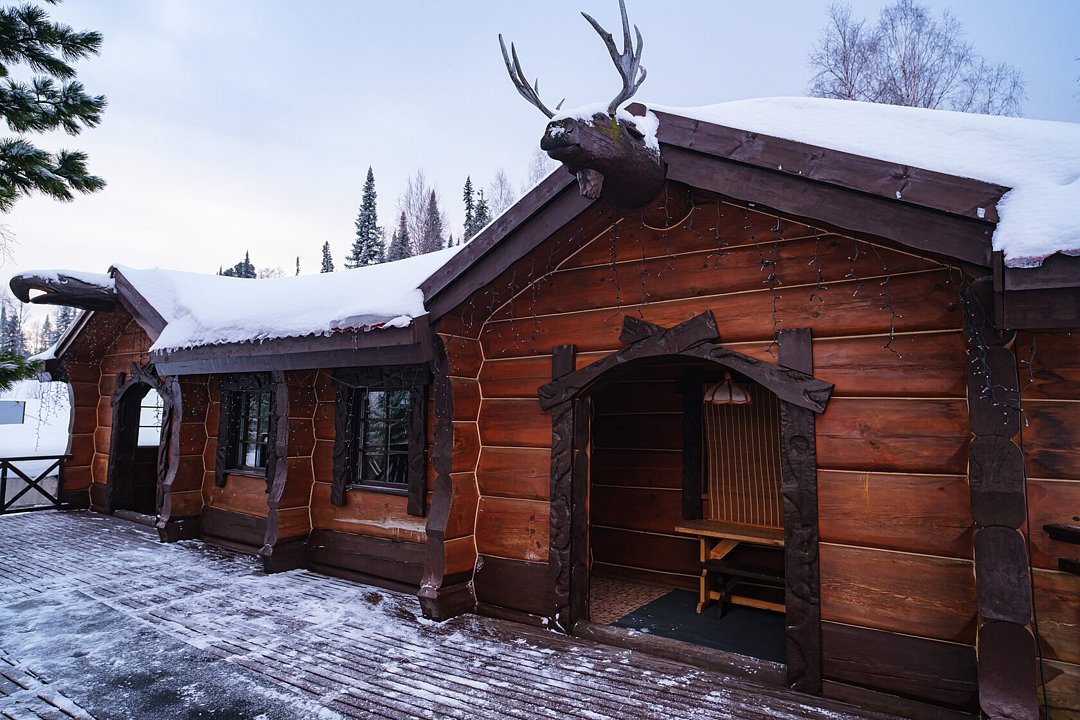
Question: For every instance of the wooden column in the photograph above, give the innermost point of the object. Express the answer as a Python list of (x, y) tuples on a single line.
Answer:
[(802, 597), (275, 557), (1008, 687), (560, 560)]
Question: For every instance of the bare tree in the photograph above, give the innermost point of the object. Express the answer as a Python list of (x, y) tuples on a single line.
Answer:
[(539, 168), (270, 272), (910, 58), (500, 194)]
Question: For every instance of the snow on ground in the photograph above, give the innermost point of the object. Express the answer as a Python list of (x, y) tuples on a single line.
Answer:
[(142, 629), (1038, 159), (212, 309)]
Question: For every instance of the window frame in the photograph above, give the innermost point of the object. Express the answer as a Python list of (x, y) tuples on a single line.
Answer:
[(353, 386), (234, 390)]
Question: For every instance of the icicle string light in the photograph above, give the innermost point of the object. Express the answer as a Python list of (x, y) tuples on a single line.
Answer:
[(819, 286), (1000, 396)]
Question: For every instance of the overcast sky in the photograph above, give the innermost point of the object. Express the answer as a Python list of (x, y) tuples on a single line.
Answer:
[(250, 124)]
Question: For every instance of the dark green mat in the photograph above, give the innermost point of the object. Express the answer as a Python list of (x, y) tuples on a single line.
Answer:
[(743, 630)]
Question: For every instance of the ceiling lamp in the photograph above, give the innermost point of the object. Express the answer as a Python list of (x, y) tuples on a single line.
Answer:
[(727, 392)]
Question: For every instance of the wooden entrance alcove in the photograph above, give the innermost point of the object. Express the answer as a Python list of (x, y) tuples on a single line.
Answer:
[(801, 396), (124, 490)]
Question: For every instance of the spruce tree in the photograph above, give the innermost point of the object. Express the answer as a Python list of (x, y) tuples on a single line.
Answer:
[(51, 100), (327, 261), (297, 264), (432, 238), (482, 215), (367, 249), (47, 333), (400, 247), (470, 209), (242, 269), (64, 317)]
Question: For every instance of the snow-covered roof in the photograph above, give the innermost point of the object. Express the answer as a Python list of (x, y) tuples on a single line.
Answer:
[(1038, 159), (213, 309)]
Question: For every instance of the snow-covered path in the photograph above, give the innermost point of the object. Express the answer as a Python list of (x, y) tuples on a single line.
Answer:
[(99, 620)]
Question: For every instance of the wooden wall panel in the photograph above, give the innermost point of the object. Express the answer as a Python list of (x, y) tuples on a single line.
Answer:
[(1057, 605), (928, 514), (1062, 690), (655, 432), (77, 477), (928, 365), (511, 528), (648, 509), (466, 400), (464, 355), (1049, 365), (515, 472), (187, 504), (366, 513), (917, 595), (241, 493), (1052, 439), (1052, 501), (650, 551), (640, 398), (460, 556), (463, 500), (924, 301), (907, 436), (322, 460), (514, 584), (297, 491), (515, 423), (293, 523), (466, 448)]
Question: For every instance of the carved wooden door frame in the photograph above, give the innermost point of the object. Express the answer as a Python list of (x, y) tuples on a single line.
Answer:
[(802, 397)]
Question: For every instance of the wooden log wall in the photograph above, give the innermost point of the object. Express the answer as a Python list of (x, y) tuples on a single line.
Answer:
[(1049, 375), (182, 500), (896, 554)]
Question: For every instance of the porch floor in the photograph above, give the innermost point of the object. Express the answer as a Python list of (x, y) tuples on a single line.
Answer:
[(99, 620)]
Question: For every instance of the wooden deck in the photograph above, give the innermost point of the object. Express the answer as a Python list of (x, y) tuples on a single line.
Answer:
[(98, 620)]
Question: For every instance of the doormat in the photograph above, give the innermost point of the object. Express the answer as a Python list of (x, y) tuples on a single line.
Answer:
[(743, 630)]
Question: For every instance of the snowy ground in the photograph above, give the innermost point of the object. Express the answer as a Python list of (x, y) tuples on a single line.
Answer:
[(99, 620), (44, 431)]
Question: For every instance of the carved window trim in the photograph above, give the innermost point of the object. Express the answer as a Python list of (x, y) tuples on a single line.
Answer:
[(234, 388), (352, 385)]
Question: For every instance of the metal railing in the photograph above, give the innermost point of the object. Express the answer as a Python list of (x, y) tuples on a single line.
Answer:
[(22, 481)]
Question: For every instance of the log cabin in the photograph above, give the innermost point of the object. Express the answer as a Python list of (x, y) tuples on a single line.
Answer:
[(824, 375)]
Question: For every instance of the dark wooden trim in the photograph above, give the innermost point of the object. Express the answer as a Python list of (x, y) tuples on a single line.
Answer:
[(277, 465), (439, 599), (891, 704), (291, 554), (148, 318), (818, 204), (691, 385), (362, 578), (560, 562), (123, 439), (995, 475), (501, 613), (169, 449), (97, 497), (385, 346), (931, 671), (900, 184), (75, 499), (233, 529), (417, 451), (1046, 309), (579, 507), (1003, 579), (394, 560), (1008, 676), (527, 223), (1056, 271), (518, 584), (227, 423), (799, 488), (183, 528)]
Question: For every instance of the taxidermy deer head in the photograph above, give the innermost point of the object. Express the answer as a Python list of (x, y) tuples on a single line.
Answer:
[(606, 151)]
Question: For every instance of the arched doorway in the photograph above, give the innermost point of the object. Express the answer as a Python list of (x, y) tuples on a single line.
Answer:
[(138, 448), (570, 397)]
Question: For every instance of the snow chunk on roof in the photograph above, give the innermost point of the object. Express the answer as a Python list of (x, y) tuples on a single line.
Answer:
[(213, 309), (1038, 159)]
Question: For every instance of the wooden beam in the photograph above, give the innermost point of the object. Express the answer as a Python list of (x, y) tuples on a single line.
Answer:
[(149, 319), (802, 596), (561, 494)]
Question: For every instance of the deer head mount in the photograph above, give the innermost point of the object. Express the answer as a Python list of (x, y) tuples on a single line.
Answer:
[(606, 151)]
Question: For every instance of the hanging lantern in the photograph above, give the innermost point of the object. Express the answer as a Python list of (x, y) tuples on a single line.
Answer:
[(727, 392)]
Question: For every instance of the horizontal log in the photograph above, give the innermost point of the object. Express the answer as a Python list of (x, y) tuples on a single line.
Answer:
[(1052, 439), (1057, 596), (466, 399), (1061, 693), (366, 513), (648, 509), (917, 595), (324, 422), (1049, 365), (322, 460), (81, 449), (927, 514), (461, 519), (669, 478), (909, 436), (299, 478), (705, 272), (233, 527), (638, 398), (460, 557), (301, 437), (293, 523), (390, 559), (464, 356), (646, 551), (515, 472), (511, 528), (652, 432), (930, 670), (1049, 502), (617, 461), (466, 447), (923, 301), (77, 477), (189, 474), (187, 504), (894, 705), (520, 377), (513, 584), (924, 365), (515, 423), (241, 493)]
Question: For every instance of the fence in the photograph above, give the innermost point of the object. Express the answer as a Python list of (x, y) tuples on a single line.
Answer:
[(29, 486)]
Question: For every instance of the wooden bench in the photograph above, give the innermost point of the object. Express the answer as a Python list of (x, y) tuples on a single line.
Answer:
[(753, 577)]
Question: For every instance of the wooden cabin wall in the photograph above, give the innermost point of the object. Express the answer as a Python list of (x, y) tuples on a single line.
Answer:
[(1049, 368), (897, 578), (185, 499), (372, 534)]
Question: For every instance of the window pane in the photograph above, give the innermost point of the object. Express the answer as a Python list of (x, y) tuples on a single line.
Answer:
[(250, 455), (264, 404), (375, 437), (399, 437), (399, 404), (376, 405), (372, 469), (398, 469)]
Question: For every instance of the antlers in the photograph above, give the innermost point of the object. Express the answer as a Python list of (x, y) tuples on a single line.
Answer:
[(627, 62)]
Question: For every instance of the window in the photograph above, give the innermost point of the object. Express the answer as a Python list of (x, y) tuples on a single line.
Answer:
[(150, 417), (247, 427), (380, 423)]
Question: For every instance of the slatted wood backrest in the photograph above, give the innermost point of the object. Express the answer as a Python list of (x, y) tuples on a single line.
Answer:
[(742, 460)]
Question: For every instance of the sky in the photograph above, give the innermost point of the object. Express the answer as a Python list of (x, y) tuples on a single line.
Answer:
[(250, 125)]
